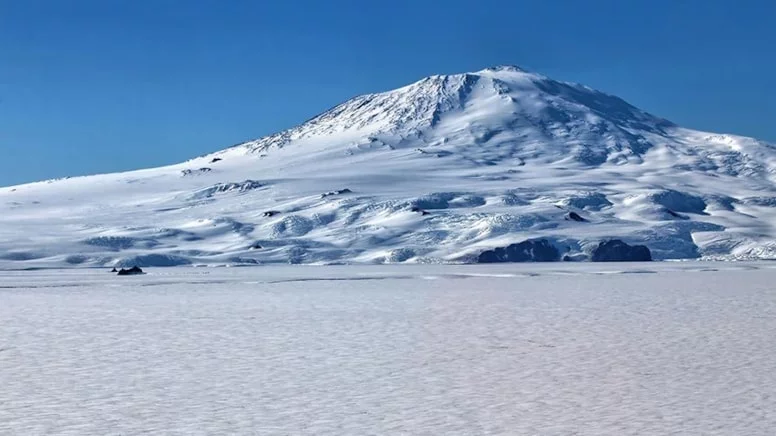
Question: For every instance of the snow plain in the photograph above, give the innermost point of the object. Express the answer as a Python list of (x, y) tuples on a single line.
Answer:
[(522, 349)]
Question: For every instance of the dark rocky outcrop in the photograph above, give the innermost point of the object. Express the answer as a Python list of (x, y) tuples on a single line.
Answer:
[(442, 153), (337, 192), (271, 213), (223, 188), (114, 270), (573, 216), (538, 250), (198, 171), (615, 250), (130, 272), (673, 214), (216, 159), (419, 210)]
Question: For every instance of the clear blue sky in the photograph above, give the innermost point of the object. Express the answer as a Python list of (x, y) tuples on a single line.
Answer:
[(91, 86)]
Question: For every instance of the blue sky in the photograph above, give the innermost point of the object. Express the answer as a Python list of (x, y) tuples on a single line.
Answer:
[(90, 86)]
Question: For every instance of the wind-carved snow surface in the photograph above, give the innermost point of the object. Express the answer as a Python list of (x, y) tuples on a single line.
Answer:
[(543, 349), (437, 171)]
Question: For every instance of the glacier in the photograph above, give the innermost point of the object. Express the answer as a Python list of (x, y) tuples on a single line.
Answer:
[(438, 171)]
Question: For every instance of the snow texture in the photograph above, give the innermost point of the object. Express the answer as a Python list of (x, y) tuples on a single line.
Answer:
[(529, 349), (437, 171)]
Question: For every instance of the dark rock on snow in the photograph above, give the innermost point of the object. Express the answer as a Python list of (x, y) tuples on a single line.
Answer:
[(615, 250), (216, 159), (675, 215), (271, 213), (573, 216), (419, 210), (201, 170), (337, 192), (113, 270), (539, 250), (130, 272)]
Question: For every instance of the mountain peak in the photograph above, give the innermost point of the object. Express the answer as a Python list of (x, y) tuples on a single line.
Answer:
[(558, 117), (508, 68)]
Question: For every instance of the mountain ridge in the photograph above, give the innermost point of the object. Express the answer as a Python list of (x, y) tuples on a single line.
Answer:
[(490, 158)]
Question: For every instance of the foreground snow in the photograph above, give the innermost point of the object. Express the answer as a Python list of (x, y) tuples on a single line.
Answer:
[(437, 171), (553, 349)]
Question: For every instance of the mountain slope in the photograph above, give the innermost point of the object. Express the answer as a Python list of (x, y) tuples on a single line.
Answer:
[(436, 171)]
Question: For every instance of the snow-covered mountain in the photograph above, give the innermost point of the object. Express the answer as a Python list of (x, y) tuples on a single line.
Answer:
[(437, 171)]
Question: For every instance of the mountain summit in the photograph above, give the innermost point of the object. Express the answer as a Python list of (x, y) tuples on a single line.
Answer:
[(508, 113), (551, 117), (440, 170)]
